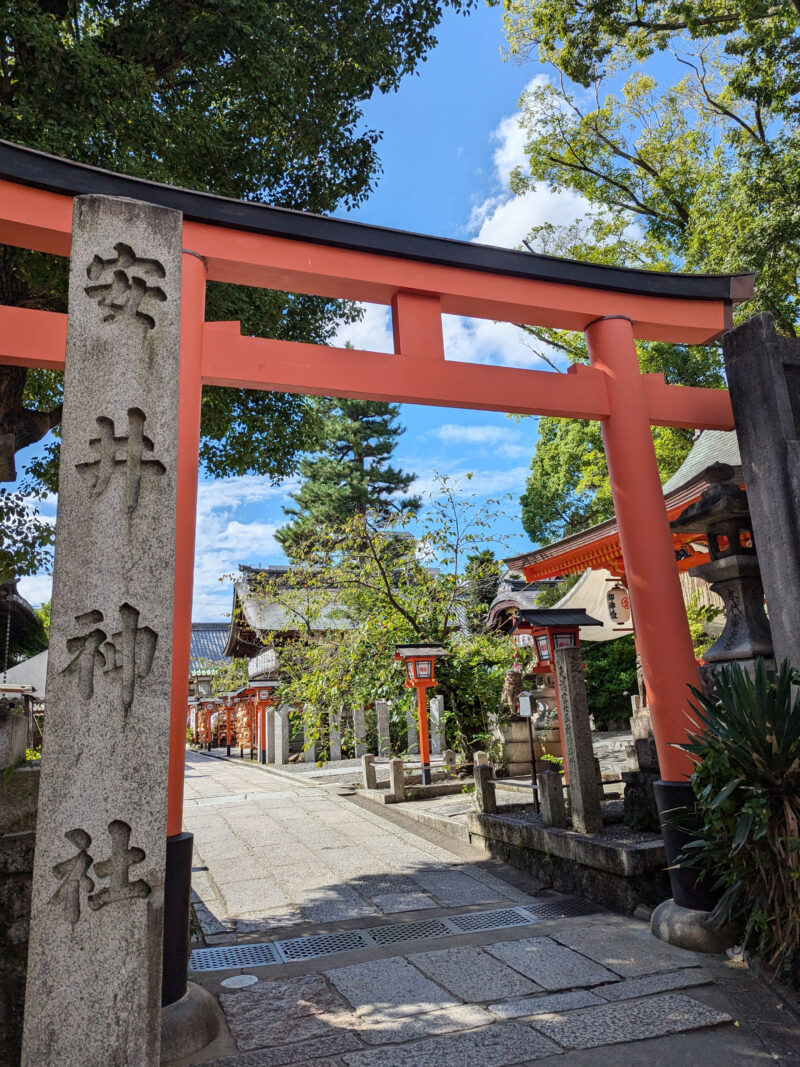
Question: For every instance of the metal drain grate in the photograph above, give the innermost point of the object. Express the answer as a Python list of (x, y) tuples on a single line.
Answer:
[(390, 935), (488, 920), (564, 907), (306, 948), (228, 956)]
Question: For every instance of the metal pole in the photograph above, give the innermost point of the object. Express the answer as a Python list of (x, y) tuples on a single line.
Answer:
[(424, 743), (533, 766)]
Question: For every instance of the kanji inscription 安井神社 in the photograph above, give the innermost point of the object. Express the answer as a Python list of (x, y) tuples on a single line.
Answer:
[(98, 890)]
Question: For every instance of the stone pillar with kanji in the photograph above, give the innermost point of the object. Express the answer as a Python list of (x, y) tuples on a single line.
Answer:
[(94, 966)]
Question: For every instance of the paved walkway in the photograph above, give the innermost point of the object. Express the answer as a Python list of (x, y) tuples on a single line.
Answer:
[(388, 946)]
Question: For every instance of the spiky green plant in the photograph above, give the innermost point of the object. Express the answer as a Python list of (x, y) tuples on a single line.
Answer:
[(746, 744)]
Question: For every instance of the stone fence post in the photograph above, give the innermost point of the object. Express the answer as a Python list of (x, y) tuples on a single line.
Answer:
[(485, 793)]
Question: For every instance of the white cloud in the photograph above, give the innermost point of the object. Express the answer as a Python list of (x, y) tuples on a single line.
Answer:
[(504, 219), (373, 333), (503, 441), (481, 483), (37, 589)]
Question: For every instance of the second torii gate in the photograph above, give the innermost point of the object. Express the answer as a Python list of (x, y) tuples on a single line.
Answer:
[(421, 278)]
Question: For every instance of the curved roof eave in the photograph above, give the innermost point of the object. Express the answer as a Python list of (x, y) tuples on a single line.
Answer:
[(28, 166)]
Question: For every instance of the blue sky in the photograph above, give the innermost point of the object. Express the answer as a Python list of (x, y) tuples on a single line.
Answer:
[(450, 141)]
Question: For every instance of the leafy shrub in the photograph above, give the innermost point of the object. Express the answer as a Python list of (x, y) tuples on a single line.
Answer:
[(747, 784), (610, 677)]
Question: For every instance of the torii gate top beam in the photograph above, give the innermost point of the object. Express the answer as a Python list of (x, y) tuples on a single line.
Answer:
[(272, 247)]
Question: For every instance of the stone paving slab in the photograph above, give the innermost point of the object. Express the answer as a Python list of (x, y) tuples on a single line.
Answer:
[(629, 955), (550, 965), (493, 1046), (384, 1030), (391, 903), (525, 1007), (654, 983), (305, 1052), (629, 1021), (472, 974), (275, 1011), (391, 985)]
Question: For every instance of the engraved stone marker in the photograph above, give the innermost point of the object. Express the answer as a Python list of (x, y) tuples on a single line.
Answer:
[(436, 714), (94, 965), (282, 733), (578, 751), (335, 734), (384, 739), (359, 732), (412, 730)]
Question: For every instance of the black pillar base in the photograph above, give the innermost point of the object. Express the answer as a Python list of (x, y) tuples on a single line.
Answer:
[(263, 755), (177, 898), (426, 774), (227, 750), (680, 822)]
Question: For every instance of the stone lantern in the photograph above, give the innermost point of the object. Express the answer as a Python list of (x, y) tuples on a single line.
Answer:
[(723, 516)]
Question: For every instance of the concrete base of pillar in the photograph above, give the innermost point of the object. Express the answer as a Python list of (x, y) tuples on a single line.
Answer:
[(190, 1024), (691, 929)]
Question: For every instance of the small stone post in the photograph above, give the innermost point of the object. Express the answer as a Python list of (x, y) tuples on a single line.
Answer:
[(450, 761), (412, 730), (97, 915), (436, 712), (335, 734), (282, 733), (309, 746), (359, 732), (480, 759), (551, 799), (578, 751), (384, 737), (485, 793), (397, 784), (370, 774)]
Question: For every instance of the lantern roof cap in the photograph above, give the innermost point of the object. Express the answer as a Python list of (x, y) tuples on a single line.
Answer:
[(555, 617), (411, 651), (721, 502)]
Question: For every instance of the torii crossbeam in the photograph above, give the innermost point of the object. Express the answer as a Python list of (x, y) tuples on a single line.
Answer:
[(420, 278)]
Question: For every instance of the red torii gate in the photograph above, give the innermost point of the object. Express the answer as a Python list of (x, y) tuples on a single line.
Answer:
[(421, 278)]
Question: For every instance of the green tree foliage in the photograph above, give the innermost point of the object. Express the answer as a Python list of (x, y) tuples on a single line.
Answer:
[(358, 590), (252, 99), (482, 572), (351, 473), (695, 169), (610, 677), (43, 611)]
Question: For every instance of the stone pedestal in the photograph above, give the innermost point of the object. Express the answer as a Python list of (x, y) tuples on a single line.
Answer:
[(384, 736), (13, 737), (282, 733), (551, 799), (359, 732), (579, 754), (95, 957)]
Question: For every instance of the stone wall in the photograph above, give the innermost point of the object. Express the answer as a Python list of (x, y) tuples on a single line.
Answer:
[(618, 876), (19, 795)]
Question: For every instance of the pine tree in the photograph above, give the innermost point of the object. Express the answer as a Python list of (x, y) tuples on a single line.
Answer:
[(350, 473)]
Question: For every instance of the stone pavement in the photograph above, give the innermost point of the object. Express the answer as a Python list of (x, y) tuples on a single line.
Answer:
[(278, 863)]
